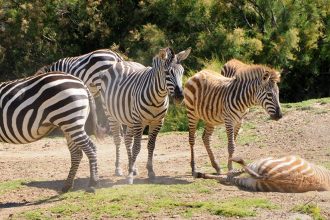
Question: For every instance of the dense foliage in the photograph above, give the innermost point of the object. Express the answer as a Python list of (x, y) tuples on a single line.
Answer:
[(291, 35)]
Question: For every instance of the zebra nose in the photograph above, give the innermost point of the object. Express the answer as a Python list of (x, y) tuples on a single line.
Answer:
[(178, 94), (278, 114)]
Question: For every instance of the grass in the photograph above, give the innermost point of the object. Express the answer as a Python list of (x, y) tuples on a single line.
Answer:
[(305, 105), (144, 200), (310, 209), (11, 185)]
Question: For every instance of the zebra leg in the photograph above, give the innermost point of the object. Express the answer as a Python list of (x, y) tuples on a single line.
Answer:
[(231, 143), (208, 130), (128, 144), (192, 136), (116, 132), (153, 132), (76, 156), (137, 132)]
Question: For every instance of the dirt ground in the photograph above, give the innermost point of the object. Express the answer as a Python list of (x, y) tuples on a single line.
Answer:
[(304, 132)]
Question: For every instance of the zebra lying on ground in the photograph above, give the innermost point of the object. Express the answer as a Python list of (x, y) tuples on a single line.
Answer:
[(220, 100), (286, 174), (87, 67), (31, 108), (138, 98)]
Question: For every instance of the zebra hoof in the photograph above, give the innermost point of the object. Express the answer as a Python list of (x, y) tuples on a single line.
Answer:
[(118, 172), (130, 179), (66, 188), (152, 176), (198, 175), (90, 189)]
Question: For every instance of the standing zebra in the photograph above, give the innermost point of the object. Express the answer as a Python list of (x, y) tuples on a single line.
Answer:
[(87, 67), (230, 68), (31, 108), (285, 174), (220, 100), (138, 98)]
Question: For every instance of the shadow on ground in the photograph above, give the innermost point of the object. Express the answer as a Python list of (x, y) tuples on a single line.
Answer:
[(82, 183)]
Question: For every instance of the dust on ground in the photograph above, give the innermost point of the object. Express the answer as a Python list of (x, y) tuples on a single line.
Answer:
[(304, 132)]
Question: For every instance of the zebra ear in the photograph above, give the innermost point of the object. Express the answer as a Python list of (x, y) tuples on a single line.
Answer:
[(162, 54), (265, 76), (183, 55)]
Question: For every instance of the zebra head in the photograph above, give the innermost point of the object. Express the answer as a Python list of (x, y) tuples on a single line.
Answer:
[(174, 73), (268, 93)]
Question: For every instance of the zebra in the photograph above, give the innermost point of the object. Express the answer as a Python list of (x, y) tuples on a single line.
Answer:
[(230, 68), (32, 107), (138, 98), (291, 174), (86, 67), (220, 100)]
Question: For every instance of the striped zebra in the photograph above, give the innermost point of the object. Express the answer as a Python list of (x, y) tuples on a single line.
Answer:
[(220, 100), (87, 67), (138, 98), (290, 174), (230, 68), (31, 108)]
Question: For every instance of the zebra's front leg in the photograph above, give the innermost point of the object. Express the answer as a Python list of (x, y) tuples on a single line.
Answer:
[(207, 134), (231, 142), (116, 132), (76, 156), (153, 132), (128, 144), (137, 133)]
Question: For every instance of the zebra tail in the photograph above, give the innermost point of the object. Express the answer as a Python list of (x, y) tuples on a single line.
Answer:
[(98, 130)]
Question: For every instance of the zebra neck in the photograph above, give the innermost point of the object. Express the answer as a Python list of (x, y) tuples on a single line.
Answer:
[(158, 86), (244, 93)]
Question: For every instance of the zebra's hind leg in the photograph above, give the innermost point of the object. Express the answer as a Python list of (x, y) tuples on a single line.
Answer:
[(137, 131), (78, 142), (153, 132), (76, 156), (116, 132), (208, 130), (192, 136)]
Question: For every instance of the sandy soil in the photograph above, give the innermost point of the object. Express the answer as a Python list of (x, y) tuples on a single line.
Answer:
[(305, 133)]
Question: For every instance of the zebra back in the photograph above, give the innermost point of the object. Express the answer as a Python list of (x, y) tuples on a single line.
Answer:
[(230, 68), (86, 67)]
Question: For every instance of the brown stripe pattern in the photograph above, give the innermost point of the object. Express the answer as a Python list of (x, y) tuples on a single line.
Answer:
[(217, 100)]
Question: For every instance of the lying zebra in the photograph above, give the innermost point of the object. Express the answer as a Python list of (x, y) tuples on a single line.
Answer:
[(31, 108), (290, 174)]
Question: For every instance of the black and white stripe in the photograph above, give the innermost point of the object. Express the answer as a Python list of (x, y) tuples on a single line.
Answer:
[(138, 98), (87, 67), (31, 108)]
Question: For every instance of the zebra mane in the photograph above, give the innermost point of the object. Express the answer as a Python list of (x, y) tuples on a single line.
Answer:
[(257, 71)]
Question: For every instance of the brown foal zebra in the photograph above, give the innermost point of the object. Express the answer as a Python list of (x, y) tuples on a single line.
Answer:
[(230, 68), (286, 174), (220, 100)]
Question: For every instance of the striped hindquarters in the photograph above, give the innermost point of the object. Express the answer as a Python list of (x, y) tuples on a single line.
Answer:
[(34, 106)]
